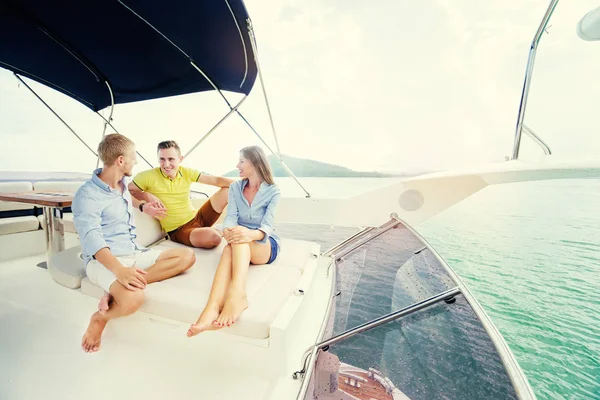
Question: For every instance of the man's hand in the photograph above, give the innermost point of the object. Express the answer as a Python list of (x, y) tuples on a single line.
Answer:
[(152, 199), (238, 234), (132, 278), (155, 211)]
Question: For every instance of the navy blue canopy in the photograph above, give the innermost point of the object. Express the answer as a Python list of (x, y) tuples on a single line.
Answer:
[(142, 48)]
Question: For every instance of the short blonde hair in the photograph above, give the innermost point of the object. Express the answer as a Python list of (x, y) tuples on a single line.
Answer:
[(112, 146)]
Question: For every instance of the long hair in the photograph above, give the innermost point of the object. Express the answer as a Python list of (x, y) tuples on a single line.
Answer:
[(257, 157)]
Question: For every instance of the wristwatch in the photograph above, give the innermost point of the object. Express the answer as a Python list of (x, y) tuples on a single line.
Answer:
[(141, 207)]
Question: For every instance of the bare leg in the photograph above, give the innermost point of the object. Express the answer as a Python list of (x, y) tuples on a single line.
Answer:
[(103, 305), (218, 201), (236, 301), (206, 238), (124, 302), (170, 263), (216, 297)]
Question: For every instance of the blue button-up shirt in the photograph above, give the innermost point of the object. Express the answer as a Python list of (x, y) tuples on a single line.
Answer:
[(258, 215), (103, 217)]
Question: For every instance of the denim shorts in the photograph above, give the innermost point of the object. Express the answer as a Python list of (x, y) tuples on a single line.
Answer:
[(274, 250)]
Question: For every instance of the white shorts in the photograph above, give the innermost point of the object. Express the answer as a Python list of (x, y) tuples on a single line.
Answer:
[(101, 276)]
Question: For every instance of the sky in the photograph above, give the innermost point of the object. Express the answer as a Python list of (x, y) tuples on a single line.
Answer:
[(386, 85)]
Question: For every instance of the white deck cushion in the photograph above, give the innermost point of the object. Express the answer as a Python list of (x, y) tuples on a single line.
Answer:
[(182, 298), (8, 187), (66, 267), (68, 223), (18, 224), (147, 229)]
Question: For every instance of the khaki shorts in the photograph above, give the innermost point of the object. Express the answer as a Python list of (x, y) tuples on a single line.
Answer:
[(205, 217), (101, 276)]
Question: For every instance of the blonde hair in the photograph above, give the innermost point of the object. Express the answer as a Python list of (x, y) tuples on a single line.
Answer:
[(257, 157), (112, 146)]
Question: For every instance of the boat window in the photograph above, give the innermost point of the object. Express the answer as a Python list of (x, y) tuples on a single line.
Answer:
[(390, 272), (442, 351)]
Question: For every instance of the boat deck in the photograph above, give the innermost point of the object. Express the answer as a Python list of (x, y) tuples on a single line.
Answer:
[(142, 356), (42, 326)]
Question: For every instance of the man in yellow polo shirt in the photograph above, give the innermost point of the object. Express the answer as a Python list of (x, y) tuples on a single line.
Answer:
[(168, 187)]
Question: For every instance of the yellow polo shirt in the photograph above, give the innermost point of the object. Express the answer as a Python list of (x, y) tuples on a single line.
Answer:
[(174, 193)]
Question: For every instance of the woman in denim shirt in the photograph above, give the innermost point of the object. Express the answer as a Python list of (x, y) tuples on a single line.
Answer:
[(248, 229)]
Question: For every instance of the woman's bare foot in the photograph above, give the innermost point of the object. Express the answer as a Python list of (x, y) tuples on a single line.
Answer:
[(103, 305), (205, 321), (235, 304), (91, 339)]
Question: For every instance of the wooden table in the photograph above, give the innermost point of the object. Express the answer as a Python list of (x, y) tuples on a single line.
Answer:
[(52, 203)]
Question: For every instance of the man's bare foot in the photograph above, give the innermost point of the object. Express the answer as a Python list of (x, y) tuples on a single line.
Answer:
[(91, 339), (235, 304), (205, 321), (103, 305)]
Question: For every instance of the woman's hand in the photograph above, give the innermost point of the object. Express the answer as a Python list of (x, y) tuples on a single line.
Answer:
[(237, 235)]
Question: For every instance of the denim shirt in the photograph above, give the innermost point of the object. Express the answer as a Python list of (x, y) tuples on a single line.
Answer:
[(259, 215), (103, 217)]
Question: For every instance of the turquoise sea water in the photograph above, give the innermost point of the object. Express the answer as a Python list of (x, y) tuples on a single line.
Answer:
[(530, 253)]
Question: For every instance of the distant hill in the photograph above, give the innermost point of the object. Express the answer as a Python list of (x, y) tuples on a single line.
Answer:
[(302, 167), (37, 176)]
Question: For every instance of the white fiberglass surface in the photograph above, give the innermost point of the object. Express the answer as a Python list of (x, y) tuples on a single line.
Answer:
[(42, 325)]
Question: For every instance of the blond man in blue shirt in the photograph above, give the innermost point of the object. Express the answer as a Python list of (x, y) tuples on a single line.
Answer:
[(103, 216)]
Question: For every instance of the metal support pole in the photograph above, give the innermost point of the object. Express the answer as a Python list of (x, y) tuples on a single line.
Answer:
[(71, 129), (115, 129), (112, 108), (54, 112), (262, 82), (215, 127), (216, 88), (528, 75), (391, 316), (537, 139), (253, 130), (289, 171)]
